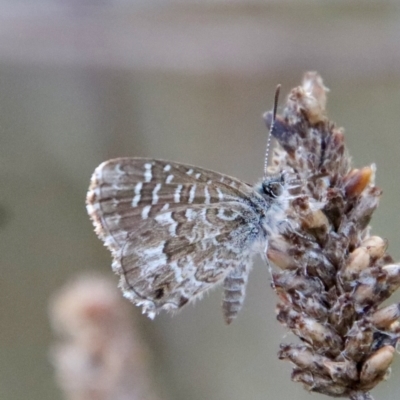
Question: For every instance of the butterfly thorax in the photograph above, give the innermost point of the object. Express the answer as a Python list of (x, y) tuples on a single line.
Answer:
[(275, 196)]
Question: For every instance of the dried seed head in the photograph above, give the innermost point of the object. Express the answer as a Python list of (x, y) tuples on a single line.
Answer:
[(393, 275), (333, 275), (358, 341), (357, 261), (312, 97), (375, 246), (314, 220), (385, 317), (376, 366), (342, 371), (278, 253), (303, 357), (317, 383), (357, 180)]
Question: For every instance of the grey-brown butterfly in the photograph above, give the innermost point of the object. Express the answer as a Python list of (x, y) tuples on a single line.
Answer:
[(176, 230)]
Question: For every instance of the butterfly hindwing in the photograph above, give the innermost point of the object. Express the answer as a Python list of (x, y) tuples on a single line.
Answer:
[(168, 262)]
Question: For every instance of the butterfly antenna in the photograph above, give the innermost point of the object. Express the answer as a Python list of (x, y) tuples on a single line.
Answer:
[(277, 90)]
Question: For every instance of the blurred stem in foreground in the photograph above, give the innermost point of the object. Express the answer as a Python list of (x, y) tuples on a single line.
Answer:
[(100, 355)]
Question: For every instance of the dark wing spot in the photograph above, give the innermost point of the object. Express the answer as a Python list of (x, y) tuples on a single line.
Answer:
[(159, 293), (182, 301)]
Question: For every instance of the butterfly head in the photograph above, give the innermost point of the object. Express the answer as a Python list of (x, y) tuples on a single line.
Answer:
[(273, 187)]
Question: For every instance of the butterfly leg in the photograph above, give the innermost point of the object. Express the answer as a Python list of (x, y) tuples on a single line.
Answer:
[(234, 291)]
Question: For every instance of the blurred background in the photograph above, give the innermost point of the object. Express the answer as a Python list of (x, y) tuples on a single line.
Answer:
[(85, 81)]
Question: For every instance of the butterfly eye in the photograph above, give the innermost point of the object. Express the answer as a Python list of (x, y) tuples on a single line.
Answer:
[(272, 189)]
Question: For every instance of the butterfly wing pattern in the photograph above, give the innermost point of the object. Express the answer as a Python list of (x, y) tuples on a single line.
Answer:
[(176, 230)]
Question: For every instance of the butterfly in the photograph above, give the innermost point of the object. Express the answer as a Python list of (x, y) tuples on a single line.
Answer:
[(176, 230)]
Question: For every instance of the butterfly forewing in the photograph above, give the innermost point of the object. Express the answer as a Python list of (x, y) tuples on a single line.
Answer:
[(174, 230)]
